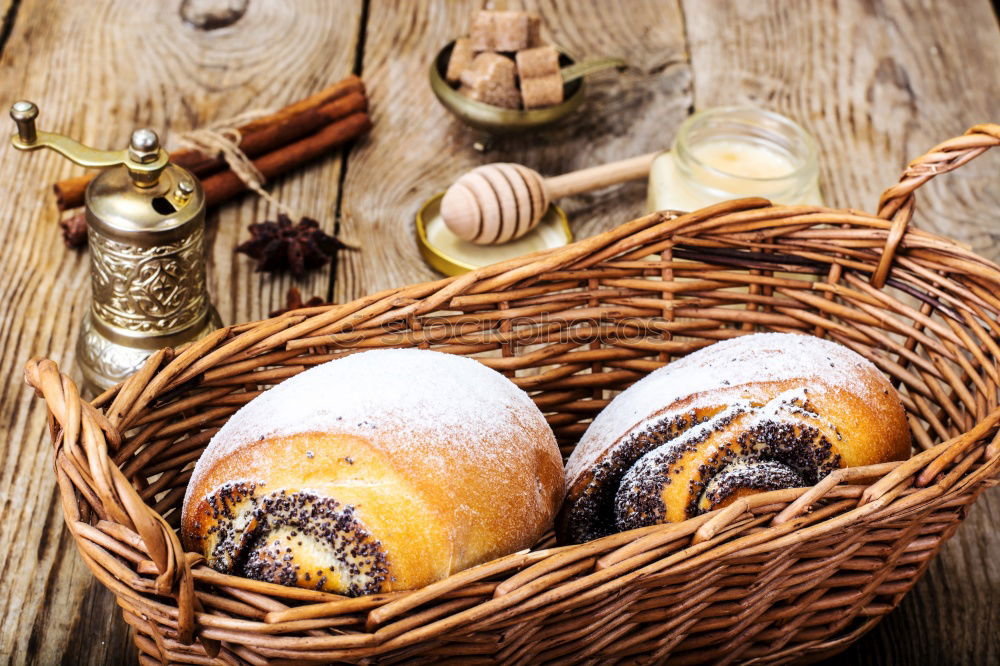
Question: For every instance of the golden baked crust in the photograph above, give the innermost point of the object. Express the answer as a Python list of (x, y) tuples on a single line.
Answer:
[(393, 501), (755, 413)]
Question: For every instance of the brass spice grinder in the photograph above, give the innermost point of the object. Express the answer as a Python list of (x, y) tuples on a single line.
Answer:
[(145, 231)]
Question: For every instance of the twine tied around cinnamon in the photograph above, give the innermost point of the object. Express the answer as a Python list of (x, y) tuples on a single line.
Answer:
[(223, 139)]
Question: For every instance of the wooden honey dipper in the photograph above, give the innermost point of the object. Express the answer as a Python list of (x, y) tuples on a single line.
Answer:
[(499, 202)]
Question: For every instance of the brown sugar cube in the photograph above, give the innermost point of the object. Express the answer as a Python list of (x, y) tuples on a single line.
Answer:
[(512, 30), (542, 91), (507, 99), (534, 30), (460, 60), (468, 91), (497, 69), (481, 33), (492, 80), (539, 61), (504, 31)]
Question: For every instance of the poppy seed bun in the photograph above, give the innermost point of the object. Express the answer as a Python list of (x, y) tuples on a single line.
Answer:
[(385, 470), (754, 413)]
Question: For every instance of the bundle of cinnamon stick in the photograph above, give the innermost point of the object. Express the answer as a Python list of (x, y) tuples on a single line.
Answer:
[(276, 143)]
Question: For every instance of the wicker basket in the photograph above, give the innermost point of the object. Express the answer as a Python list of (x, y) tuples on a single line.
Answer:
[(775, 577)]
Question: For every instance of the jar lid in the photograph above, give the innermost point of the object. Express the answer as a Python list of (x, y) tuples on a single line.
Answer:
[(447, 253)]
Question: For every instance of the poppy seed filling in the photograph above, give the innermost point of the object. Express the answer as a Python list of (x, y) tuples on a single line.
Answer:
[(757, 447), (592, 515), (262, 537)]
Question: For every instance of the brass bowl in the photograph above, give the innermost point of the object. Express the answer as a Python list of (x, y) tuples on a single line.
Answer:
[(494, 119), (552, 231)]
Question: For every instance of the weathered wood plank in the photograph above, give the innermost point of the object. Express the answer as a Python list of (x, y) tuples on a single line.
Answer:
[(879, 83), (419, 149), (97, 70)]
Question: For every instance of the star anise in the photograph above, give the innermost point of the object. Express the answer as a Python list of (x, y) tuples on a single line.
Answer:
[(293, 301), (281, 245)]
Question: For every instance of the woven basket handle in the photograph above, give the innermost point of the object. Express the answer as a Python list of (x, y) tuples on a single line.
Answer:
[(896, 203), (81, 443)]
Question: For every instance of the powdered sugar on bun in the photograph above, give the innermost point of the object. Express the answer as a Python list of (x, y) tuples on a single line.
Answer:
[(395, 395)]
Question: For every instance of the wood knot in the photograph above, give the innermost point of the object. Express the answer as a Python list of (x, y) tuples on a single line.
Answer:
[(212, 14)]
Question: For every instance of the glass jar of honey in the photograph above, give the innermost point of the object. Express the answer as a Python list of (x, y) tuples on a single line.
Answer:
[(733, 152)]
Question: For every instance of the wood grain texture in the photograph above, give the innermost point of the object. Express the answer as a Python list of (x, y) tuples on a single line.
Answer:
[(98, 70), (418, 149), (879, 83)]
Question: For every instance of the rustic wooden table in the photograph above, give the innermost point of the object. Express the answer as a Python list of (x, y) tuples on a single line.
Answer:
[(877, 82)]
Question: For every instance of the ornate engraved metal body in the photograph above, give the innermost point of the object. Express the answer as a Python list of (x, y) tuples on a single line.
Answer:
[(159, 289)]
